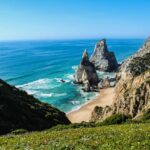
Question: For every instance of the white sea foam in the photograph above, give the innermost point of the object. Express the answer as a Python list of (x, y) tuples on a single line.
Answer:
[(61, 94), (75, 102), (32, 92), (74, 67), (38, 84), (70, 76), (36, 87), (45, 95)]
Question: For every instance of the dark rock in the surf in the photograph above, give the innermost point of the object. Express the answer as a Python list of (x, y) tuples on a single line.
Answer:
[(63, 81), (103, 59), (86, 73), (106, 83), (18, 110)]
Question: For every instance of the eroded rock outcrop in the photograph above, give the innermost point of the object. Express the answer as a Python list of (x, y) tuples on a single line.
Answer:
[(103, 59), (132, 89), (18, 110), (86, 73)]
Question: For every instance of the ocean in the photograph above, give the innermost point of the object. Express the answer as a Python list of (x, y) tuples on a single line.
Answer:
[(39, 66)]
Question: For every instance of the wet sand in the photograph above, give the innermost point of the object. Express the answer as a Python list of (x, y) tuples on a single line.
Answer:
[(84, 113)]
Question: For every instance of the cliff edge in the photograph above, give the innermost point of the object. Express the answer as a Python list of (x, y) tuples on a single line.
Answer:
[(132, 91)]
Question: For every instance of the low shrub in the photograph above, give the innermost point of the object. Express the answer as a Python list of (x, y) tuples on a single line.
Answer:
[(19, 131), (146, 115), (116, 119)]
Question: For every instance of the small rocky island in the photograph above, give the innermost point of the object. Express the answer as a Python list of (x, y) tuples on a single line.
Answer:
[(103, 59), (86, 73)]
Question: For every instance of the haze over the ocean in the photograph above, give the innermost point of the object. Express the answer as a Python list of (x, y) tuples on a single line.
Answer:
[(74, 19)]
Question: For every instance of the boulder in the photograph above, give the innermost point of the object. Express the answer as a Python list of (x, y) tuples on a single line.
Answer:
[(103, 59), (86, 73), (106, 83)]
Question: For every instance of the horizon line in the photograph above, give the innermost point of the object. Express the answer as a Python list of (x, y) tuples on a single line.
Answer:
[(70, 39)]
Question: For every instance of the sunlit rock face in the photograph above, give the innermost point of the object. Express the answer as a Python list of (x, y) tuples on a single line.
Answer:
[(86, 73), (132, 91), (103, 59)]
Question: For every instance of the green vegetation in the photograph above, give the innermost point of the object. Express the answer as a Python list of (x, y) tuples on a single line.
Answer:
[(140, 64), (116, 119), (112, 137), (146, 115), (19, 131)]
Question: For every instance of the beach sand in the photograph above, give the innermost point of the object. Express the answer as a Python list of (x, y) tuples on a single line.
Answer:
[(84, 113)]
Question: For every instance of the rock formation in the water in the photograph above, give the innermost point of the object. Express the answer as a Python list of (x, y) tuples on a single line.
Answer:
[(103, 59), (132, 89), (18, 110), (86, 73), (107, 82)]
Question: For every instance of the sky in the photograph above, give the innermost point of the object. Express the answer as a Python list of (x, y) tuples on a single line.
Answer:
[(74, 19)]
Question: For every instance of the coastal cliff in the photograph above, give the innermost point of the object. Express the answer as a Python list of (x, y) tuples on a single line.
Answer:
[(18, 110), (132, 91), (103, 59)]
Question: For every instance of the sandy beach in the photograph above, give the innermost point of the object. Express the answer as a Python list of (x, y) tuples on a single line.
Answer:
[(84, 113)]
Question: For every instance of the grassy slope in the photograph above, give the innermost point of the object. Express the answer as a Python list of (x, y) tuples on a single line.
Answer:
[(115, 137)]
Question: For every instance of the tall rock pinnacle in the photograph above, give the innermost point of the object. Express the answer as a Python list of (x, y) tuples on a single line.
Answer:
[(103, 59), (86, 72)]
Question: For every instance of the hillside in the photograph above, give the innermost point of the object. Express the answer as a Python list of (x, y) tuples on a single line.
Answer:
[(114, 137), (18, 110)]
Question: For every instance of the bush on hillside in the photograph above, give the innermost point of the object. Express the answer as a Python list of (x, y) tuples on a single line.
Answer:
[(116, 119), (19, 131), (146, 115)]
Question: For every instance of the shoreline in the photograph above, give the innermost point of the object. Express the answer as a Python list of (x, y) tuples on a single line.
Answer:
[(105, 97), (82, 105)]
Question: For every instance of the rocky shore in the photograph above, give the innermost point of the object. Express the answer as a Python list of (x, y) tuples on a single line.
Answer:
[(132, 91)]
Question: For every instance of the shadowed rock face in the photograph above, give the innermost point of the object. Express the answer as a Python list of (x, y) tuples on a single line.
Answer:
[(18, 110), (103, 59), (133, 87), (86, 72)]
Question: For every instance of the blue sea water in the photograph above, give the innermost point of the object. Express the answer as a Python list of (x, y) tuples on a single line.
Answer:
[(38, 66)]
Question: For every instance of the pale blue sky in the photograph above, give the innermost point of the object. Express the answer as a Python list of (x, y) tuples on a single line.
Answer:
[(74, 19)]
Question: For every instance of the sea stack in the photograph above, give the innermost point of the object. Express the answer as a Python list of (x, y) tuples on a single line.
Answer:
[(103, 59), (86, 73)]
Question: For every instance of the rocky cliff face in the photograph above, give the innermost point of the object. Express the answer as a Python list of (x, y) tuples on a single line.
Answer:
[(18, 110), (133, 87), (86, 73), (103, 59)]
